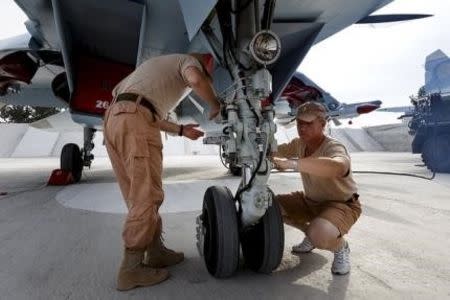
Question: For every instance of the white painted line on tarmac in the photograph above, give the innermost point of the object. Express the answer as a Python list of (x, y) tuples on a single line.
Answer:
[(180, 196)]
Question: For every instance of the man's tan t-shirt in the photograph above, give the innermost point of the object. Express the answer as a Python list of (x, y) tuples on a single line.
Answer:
[(318, 188), (160, 80)]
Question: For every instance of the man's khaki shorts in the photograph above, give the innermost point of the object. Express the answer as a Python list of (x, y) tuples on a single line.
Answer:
[(299, 211)]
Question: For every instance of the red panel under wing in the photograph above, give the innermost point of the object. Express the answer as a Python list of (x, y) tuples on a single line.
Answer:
[(297, 93), (95, 79)]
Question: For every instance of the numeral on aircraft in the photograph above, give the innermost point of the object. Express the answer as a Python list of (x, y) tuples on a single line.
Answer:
[(102, 104)]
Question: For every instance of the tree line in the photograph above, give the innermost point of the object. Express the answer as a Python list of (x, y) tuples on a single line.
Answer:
[(25, 114)]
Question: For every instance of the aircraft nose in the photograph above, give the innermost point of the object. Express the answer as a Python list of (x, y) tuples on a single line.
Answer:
[(366, 108)]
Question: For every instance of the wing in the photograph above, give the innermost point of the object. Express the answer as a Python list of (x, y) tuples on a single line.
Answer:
[(95, 43)]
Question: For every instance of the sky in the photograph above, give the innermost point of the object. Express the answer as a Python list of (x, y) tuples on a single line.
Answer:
[(362, 62), (384, 62)]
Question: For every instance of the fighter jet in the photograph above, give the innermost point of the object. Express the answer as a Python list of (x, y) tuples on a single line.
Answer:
[(76, 51), (301, 89), (431, 116), (437, 81)]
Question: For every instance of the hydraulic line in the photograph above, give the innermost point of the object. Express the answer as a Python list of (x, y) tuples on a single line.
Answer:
[(6, 195), (396, 174)]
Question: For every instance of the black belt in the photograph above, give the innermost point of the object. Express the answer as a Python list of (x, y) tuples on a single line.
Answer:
[(133, 98)]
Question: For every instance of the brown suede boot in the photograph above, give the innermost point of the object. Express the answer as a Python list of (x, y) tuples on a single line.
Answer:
[(133, 273), (158, 256)]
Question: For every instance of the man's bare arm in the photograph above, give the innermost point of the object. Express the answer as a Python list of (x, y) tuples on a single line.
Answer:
[(168, 126), (318, 166), (324, 166), (202, 86)]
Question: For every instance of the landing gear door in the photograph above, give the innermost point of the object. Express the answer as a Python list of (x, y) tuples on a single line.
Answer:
[(195, 15)]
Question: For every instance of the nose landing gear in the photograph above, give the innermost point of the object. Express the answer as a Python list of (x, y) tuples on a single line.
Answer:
[(73, 159)]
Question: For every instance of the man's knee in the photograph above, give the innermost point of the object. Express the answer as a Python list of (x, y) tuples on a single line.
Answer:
[(322, 233)]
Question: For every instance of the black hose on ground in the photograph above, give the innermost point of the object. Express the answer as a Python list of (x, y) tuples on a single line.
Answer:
[(376, 172), (396, 173)]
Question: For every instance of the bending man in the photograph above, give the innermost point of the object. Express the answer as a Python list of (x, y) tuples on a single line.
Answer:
[(132, 135)]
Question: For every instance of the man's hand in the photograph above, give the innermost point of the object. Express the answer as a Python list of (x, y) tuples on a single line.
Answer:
[(191, 132), (282, 164)]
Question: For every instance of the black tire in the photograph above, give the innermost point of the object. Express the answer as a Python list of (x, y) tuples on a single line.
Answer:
[(72, 161), (221, 241), (263, 243)]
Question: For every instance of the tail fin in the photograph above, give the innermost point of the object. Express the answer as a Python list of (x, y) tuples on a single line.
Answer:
[(434, 58), (437, 72)]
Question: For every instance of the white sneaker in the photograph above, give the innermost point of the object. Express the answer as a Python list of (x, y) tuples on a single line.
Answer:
[(304, 247), (341, 262)]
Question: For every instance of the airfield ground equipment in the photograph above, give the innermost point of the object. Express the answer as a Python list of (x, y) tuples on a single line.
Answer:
[(430, 126)]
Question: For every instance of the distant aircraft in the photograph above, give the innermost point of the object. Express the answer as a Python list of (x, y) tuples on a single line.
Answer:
[(301, 89), (437, 81), (429, 114), (430, 122), (76, 51)]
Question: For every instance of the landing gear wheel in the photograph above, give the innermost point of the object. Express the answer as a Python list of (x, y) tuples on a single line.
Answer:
[(263, 243), (221, 240), (72, 161)]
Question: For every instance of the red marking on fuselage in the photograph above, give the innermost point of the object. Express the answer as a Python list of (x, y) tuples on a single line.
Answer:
[(95, 79), (366, 108)]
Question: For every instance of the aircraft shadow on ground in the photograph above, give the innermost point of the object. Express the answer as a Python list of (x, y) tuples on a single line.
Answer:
[(288, 279)]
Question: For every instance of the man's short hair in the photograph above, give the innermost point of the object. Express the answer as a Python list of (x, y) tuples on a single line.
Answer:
[(311, 110)]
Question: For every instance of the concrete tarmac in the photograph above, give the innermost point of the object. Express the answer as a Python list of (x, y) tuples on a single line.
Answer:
[(65, 242)]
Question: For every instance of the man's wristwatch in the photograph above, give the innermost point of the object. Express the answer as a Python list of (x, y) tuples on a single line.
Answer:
[(180, 132)]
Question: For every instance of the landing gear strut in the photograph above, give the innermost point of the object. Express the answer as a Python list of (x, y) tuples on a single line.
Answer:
[(252, 217), (88, 157)]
